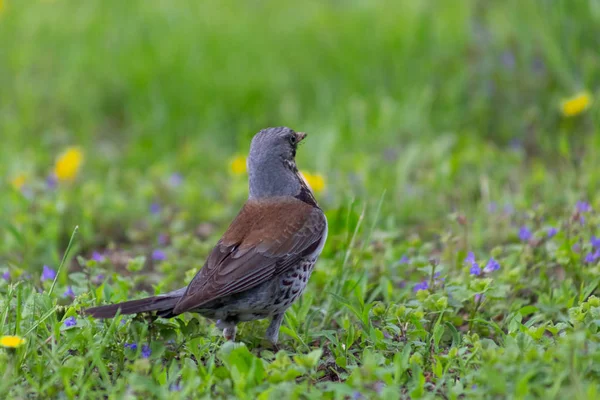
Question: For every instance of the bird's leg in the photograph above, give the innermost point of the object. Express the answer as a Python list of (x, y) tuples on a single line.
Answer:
[(273, 329), (229, 329)]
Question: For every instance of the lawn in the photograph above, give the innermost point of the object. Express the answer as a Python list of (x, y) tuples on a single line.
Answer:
[(453, 146)]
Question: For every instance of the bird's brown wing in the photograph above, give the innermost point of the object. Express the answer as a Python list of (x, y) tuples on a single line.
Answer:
[(264, 239)]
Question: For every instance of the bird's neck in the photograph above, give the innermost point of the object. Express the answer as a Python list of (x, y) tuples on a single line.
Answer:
[(278, 177)]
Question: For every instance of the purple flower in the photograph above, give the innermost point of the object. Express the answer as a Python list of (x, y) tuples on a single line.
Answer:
[(123, 321), (51, 181), (474, 387), (491, 266), (69, 292), (175, 179), (475, 270), (552, 232), (583, 207), (592, 257), (470, 258), (69, 322), (146, 352), (508, 59), (175, 387), (163, 239), (576, 247), (98, 257), (132, 346), (98, 279), (595, 242), (48, 273), (509, 209), (159, 255), (155, 208), (492, 207), (524, 234), (479, 298), (421, 286), (6, 276), (581, 220)]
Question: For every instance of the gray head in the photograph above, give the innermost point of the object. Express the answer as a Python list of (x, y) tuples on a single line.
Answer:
[(272, 163)]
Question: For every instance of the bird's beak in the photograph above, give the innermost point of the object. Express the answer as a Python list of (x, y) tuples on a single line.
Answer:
[(300, 136)]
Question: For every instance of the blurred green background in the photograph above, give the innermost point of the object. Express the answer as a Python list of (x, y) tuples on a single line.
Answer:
[(431, 106)]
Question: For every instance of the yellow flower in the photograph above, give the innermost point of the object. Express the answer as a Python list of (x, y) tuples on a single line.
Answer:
[(576, 105), (315, 181), (68, 164), (237, 165), (18, 181), (12, 341)]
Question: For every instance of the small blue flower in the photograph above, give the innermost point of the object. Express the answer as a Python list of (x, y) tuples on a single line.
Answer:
[(48, 273), (492, 207), (592, 257), (69, 292), (159, 255), (155, 208), (475, 270), (146, 352), (132, 346), (404, 259), (163, 239), (6, 276), (421, 286), (479, 298), (551, 232), (470, 258), (583, 207), (175, 179), (69, 322), (491, 266), (524, 234), (474, 387), (595, 242), (51, 181), (98, 257), (175, 387)]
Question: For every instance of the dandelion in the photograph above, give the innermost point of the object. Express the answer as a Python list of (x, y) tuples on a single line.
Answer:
[(70, 322), (315, 181), (159, 255), (48, 273), (69, 292), (237, 165), (12, 341), (146, 352), (551, 232), (491, 266), (421, 286), (576, 105), (18, 181), (68, 164), (524, 234)]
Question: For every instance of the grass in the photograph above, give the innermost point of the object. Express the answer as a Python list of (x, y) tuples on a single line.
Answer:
[(438, 130)]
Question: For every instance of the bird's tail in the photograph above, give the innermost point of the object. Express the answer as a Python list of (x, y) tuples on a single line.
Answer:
[(164, 304)]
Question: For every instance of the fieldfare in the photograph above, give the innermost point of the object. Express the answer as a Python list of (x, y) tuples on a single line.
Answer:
[(263, 261)]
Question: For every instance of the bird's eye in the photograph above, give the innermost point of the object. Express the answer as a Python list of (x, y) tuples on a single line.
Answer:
[(293, 139)]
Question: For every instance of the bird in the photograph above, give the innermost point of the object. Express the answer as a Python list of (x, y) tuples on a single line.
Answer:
[(263, 261)]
